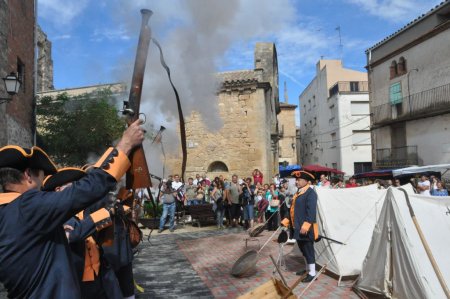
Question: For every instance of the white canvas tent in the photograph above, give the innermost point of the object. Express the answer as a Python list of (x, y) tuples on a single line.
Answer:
[(396, 264), (346, 215)]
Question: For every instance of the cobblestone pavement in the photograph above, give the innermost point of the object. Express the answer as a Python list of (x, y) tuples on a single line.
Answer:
[(196, 263)]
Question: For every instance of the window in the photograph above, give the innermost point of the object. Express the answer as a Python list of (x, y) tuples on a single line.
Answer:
[(359, 108), (314, 101), (304, 109), (395, 93), (333, 139), (334, 165), (360, 167), (401, 66), (354, 86), (311, 148), (315, 120), (309, 102), (361, 137), (393, 69)]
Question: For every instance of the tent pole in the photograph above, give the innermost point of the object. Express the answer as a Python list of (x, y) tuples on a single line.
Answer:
[(427, 248)]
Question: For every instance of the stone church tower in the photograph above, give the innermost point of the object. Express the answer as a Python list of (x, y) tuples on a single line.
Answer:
[(248, 104)]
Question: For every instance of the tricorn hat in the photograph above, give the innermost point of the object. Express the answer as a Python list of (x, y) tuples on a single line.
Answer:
[(301, 174), (62, 177), (20, 158)]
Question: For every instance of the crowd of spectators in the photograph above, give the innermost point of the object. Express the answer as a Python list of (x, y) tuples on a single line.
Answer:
[(246, 201)]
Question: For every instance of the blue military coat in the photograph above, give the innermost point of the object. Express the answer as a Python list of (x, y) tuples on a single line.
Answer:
[(305, 211), (35, 259)]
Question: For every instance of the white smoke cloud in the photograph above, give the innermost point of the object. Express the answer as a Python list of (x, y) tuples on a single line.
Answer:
[(195, 35)]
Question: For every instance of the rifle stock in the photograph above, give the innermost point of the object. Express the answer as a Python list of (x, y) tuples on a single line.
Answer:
[(138, 176)]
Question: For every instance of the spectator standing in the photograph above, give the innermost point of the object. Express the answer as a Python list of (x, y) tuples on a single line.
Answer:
[(234, 190), (324, 182), (197, 179), (167, 197), (248, 202), (397, 183), (191, 193), (272, 209), (440, 190), (424, 185), (351, 183), (261, 205), (257, 177), (217, 195)]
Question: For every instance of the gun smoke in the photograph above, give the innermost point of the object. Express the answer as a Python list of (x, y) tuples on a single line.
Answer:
[(196, 36)]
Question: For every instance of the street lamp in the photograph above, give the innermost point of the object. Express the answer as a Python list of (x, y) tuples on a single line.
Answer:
[(12, 85)]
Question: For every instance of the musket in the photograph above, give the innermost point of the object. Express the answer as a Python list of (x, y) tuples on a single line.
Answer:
[(138, 175)]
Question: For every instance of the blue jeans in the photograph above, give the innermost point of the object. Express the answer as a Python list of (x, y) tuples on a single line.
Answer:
[(193, 202), (168, 209), (219, 214)]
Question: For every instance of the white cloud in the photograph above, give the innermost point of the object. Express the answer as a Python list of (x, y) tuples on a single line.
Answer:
[(110, 34), (396, 11), (63, 36), (61, 12)]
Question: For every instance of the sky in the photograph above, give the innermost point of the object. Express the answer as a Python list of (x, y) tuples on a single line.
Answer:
[(94, 42)]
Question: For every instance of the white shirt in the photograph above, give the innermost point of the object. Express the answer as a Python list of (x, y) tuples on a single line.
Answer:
[(176, 185), (424, 184)]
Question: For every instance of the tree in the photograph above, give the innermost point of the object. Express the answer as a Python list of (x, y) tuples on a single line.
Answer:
[(77, 130)]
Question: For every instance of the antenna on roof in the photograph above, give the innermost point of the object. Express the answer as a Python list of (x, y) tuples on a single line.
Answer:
[(341, 47)]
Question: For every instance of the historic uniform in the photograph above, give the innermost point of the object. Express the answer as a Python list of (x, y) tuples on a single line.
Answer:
[(95, 276), (35, 259), (303, 216)]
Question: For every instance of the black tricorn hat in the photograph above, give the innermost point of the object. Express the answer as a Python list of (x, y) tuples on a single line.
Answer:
[(62, 177), (20, 158), (301, 174)]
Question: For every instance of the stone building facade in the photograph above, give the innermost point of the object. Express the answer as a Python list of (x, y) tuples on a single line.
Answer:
[(44, 62), (248, 104), (17, 34), (409, 84), (287, 145)]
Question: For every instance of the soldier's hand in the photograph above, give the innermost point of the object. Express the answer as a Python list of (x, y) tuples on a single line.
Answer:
[(132, 137)]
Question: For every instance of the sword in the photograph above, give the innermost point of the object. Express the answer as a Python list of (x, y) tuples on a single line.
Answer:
[(329, 239)]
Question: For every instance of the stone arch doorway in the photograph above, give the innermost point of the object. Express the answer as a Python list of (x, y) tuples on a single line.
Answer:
[(217, 166)]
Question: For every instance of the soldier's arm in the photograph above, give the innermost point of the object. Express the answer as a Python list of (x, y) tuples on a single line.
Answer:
[(45, 211)]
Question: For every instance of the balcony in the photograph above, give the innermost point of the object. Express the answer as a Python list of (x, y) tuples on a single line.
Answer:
[(397, 157), (349, 87), (426, 103)]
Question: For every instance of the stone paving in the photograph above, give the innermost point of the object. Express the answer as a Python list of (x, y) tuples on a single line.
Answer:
[(196, 262)]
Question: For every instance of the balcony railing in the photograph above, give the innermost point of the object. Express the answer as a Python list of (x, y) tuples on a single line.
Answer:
[(426, 103), (397, 156), (349, 87)]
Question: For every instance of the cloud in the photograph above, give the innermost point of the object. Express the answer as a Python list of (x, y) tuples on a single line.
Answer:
[(395, 11), (63, 36), (110, 34), (61, 12)]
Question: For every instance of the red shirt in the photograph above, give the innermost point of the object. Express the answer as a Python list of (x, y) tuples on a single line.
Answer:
[(258, 179), (351, 185)]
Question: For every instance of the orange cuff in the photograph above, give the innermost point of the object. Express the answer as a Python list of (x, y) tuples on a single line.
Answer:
[(306, 226), (114, 162), (101, 218), (285, 222)]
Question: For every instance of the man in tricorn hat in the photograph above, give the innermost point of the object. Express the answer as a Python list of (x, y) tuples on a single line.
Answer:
[(34, 254), (95, 276), (303, 221)]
